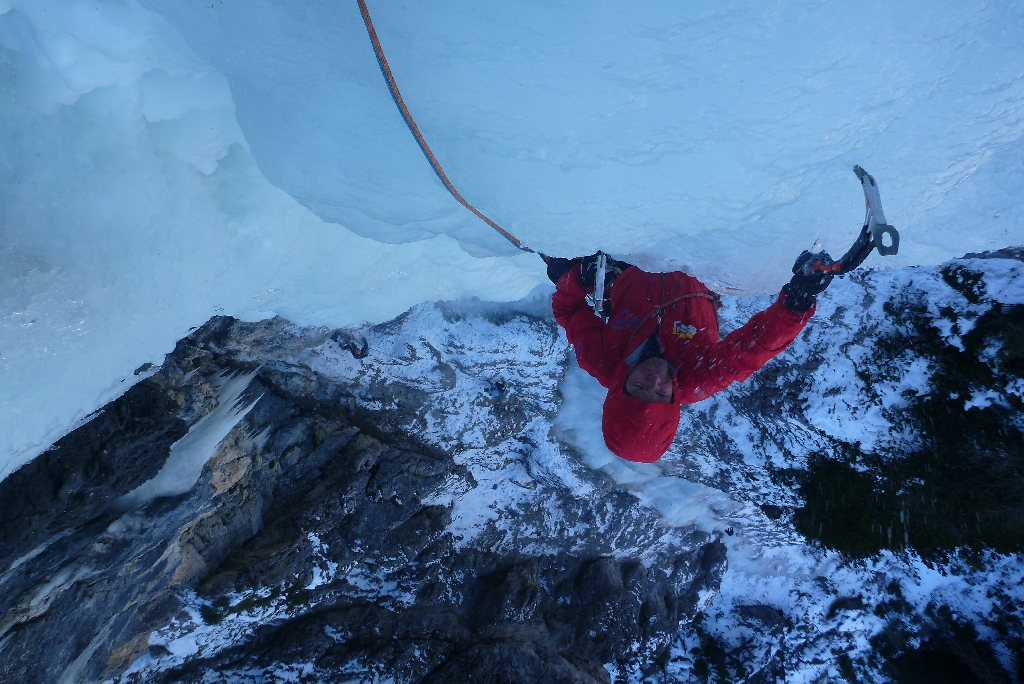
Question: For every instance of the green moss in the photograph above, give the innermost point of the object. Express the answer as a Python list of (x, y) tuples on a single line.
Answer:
[(214, 613), (211, 615), (253, 602), (296, 596)]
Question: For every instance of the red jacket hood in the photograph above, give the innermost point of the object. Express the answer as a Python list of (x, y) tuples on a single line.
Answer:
[(633, 429)]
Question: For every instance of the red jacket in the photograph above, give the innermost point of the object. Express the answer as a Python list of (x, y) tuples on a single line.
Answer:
[(688, 332)]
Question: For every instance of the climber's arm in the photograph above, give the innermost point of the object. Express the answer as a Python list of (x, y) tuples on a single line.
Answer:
[(584, 330), (742, 352)]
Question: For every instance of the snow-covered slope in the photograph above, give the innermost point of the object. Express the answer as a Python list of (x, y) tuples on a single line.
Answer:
[(867, 483), (165, 161), (486, 523)]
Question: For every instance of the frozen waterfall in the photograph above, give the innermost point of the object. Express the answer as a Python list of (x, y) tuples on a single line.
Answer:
[(166, 161)]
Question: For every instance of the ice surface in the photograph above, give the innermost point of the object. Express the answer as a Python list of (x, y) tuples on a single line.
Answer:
[(131, 210), (166, 161), (719, 136)]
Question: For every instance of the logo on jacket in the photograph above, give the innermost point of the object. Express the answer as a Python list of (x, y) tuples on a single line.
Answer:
[(625, 320), (685, 332)]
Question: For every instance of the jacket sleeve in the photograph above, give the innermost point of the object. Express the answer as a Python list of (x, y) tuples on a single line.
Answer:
[(742, 352), (584, 330)]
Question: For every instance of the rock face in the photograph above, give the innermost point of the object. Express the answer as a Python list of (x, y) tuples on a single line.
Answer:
[(387, 518), (412, 516)]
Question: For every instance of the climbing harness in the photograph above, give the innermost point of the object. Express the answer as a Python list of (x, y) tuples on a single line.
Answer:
[(715, 300), (393, 87)]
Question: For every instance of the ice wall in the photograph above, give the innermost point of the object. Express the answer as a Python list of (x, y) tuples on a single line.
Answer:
[(131, 210), (163, 162), (718, 135)]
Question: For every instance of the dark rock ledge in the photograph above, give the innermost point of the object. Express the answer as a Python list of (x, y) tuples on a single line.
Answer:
[(318, 539)]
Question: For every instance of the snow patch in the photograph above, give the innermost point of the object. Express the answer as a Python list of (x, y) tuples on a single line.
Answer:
[(984, 399), (680, 502)]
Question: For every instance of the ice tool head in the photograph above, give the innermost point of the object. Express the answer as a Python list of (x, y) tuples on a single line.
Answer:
[(874, 217)]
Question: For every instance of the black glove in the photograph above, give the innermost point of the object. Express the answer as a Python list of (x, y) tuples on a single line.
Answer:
[(807, 281), (558, 267), (588, 271)]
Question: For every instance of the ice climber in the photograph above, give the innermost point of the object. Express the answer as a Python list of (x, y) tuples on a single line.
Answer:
[(660, 348)]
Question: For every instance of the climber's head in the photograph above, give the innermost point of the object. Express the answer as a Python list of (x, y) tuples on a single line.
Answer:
[(634, 428), (650, 381)]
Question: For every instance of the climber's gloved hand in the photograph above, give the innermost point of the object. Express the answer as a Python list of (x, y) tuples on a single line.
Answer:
[(558, 267), (588, 271), (807, 282)]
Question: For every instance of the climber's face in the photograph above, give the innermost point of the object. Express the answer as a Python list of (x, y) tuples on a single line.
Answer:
[(651, 381)]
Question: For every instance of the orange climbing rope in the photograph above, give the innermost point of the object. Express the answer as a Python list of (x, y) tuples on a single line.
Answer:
[(393, 87)]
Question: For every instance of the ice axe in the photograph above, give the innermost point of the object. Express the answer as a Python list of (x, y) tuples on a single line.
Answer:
[(598, 268), (874, 217), (871, 236), (598, 301)]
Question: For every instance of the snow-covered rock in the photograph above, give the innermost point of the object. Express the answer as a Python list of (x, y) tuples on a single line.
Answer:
[(389, 516)]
